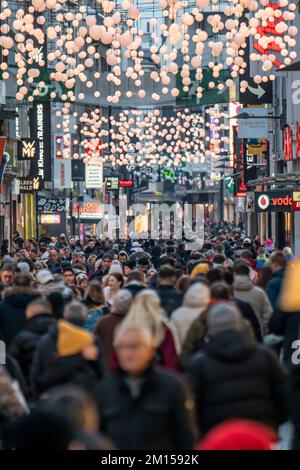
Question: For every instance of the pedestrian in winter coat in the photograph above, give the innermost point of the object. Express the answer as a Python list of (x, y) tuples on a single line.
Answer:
[(96, 306), (278, 264), (81, 411), (169, 297), (13, 305), (76, 360), (74, 313), (234, 377), (102, 268), (221, 291), (141, 407), (195, 339), (105, 326), (244, 289), (39, 319), (146, 311), (262, 259), (294, 401), (115, 282), (195, 301), (135, 282), (286, 324)]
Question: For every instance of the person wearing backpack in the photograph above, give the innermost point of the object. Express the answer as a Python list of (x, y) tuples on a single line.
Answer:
[(96, 306)]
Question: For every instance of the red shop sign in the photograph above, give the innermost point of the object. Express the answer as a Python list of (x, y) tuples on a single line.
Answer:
[(288, 143)]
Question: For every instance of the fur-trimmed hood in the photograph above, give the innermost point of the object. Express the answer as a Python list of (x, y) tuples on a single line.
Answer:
[(19, 296)]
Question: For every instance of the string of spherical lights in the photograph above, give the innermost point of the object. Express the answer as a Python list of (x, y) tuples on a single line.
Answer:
[(76, 34), (145, 138)]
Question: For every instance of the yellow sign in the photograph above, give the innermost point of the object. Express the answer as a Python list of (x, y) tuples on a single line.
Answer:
[(256, 149), (296, 196)]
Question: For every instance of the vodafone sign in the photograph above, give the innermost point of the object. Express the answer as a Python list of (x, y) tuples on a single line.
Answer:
[(263, 202), (274, 201)]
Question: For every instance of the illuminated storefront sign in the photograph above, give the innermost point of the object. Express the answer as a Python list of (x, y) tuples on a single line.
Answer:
[(274, 201), (49, 219)]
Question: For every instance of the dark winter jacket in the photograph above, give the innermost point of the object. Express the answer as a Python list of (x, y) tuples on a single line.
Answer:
[(12, 311), (294, 400), (25, 343), (99, 274), (135, 288), (54, 268), (248, 314), (73, 370), (154, 413), (233, 377), (170, 298), (286, 324), (195, 337), (42, 357), (274, 287)]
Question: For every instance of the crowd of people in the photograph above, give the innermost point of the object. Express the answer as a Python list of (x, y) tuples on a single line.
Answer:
[(146, 345)]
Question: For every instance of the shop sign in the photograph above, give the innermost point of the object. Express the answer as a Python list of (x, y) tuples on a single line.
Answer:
[(94, 176), (87, 210), (288, 143), (111, 182), (28, 149), (126, 183), (30, 184), (253, 123), (40, 125), (274, 201), (49, 219)]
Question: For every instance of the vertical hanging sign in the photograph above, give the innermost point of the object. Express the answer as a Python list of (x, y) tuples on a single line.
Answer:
[(40, 129), (40, 126)]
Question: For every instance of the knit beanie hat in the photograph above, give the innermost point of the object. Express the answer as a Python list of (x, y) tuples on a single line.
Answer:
[(223, 317), (239, 435), (115, 267), (201, 268), (71, 339), (122, 301)]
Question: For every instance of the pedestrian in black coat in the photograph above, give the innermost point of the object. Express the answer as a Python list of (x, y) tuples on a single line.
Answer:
[(39, 319), (74, 313), (75, 362), (294, 402), (169, 297), (286, 324), (141, 407), (12, 308), (234, 377), (278, 264)]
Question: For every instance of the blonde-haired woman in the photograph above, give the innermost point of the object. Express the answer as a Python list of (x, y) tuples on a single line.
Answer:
[(146, 311)]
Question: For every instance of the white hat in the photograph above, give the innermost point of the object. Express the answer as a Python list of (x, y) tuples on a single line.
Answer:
[(115, 267), (44, 276), (23, 267), (136, 245)]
